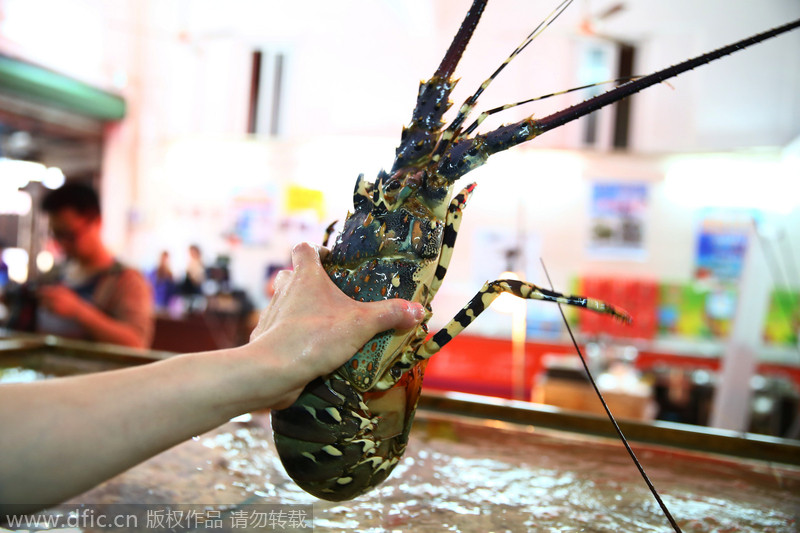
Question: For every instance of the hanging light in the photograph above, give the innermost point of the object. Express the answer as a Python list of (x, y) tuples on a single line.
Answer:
[(17, 261), (17, 173), (45, 261), (53, 178)]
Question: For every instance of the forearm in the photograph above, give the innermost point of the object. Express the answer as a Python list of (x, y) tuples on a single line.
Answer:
[(59, 438), (103, 328), (70, 434)]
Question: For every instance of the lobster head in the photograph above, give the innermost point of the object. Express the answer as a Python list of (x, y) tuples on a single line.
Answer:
[(389, 248)]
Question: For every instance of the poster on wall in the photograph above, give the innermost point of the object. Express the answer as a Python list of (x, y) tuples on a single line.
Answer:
[(617, 220), (722, 243), (253, 216)]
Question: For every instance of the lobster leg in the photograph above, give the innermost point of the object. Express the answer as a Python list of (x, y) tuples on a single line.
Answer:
[(328, 233), (490, 291), (452, 223)]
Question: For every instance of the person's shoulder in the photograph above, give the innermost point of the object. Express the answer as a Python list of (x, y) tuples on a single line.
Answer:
[(125, 271)]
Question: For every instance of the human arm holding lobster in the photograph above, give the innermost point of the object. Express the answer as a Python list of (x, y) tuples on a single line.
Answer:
[(63, 436)]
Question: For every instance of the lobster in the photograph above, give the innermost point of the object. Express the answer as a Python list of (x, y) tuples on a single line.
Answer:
[(348, 430)]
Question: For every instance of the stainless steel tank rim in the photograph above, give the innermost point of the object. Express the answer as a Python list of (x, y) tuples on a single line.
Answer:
[(686, 437), (683, 436)]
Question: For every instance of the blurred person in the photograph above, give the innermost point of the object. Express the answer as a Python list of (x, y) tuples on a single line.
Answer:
[(163, 282), (3, 268), (195, 272), (91, 296), (63, 436), (4, 279)]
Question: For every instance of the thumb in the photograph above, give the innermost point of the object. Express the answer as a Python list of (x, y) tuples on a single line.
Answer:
[(394, 314)]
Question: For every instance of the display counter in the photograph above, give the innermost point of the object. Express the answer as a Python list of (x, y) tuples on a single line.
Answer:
[(57, 356), (681, 375), (483, 365), (473, 464)]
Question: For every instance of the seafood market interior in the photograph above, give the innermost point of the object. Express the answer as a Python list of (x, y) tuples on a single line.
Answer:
[(217, 138)]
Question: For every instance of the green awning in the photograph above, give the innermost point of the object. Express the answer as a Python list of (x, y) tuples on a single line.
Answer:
[(45, 87)]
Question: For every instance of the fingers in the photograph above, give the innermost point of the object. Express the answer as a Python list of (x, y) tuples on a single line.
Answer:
[(47, 295), (394, 314), (310, 275), (305, 258), (46, 291), (383, 315), (304, 255), (59, 300), (281, 279)]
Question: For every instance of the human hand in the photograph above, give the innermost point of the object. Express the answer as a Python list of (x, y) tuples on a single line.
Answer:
[(311, 327), (60, 300)]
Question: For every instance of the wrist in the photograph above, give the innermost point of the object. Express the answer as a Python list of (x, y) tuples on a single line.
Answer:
[(231, 381), (274, 372), (83, 312)]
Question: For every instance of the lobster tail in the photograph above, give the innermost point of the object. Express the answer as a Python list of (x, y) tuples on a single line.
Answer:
[(312, 440), (336, 444)]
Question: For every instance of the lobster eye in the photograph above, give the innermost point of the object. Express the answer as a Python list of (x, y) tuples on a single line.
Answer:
[(393, 185)]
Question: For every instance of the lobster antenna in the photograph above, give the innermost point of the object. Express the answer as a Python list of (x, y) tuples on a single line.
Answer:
[(584, 108), (420, 138), (460, 41), (485, 114), (510, 135), (469, 104), (650, 485)]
